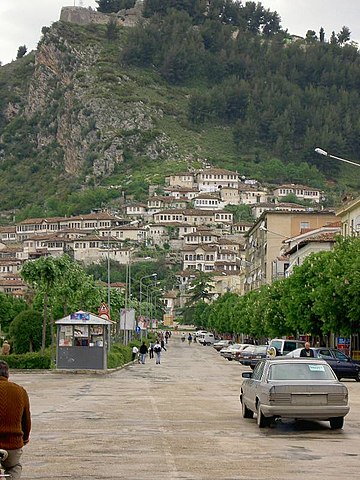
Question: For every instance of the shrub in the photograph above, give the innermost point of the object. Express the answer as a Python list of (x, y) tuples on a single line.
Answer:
[(28, 360), (119, 355)]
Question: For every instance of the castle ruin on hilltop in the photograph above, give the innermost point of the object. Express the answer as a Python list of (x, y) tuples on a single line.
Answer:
[(86, 16)]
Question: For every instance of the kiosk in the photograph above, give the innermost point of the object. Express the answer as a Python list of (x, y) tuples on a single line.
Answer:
[(82, 341)]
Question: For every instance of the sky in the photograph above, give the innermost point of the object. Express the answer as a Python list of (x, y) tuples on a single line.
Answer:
[(21, 20)]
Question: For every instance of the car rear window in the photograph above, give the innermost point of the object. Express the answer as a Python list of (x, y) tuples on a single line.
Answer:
[(300, 371)]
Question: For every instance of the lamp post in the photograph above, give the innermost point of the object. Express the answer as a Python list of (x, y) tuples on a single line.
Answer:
[(153, 275), (320, 151)]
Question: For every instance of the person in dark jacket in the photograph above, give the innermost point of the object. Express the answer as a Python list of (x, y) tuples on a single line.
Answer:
[(15, 422), (143, 352), (307, 352)]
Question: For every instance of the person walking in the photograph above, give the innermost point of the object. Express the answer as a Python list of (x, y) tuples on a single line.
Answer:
[(143, 352), (134, 352), (151, 350), (15, 422), (190, 339), (157, 351), (5, 350), (162, 343)]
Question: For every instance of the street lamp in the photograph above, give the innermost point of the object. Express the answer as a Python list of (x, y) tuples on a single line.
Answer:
[(153, 275), (320, 151)]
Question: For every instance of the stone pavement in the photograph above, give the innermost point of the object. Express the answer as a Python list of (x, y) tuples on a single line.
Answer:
[(177, 420)]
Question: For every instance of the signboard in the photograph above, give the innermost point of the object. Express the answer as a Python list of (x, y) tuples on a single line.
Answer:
[(104, 310), (80, 316), (127, 319)]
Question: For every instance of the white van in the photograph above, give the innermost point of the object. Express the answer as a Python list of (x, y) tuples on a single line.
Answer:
[(281, 346), (206, 338)]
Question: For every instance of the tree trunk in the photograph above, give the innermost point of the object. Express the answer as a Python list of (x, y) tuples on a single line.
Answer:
[(43, 340)]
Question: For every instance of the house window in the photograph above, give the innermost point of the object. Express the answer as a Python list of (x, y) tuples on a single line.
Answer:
[(304, 225)]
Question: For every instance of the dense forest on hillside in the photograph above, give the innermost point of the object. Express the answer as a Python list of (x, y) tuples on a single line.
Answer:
[(283, 95), (194, 83)]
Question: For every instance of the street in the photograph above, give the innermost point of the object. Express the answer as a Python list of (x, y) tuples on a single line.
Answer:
[(178, 420)]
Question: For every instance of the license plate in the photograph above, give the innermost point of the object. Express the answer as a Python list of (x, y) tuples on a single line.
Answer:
[(309, 399)]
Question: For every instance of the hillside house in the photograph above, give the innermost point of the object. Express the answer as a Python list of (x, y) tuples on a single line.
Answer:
[(213, 179), (302, 192)]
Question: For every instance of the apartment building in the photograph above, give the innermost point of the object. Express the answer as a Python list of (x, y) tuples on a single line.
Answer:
[(349, 216), (264, 240)]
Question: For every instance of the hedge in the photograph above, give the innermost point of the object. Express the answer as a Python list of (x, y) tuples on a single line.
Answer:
[(119, 355), (28, 360)]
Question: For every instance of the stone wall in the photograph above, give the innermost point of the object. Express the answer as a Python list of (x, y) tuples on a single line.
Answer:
[(86, 16)]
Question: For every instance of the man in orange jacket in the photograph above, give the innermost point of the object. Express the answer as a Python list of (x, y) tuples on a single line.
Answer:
[(15, 421)]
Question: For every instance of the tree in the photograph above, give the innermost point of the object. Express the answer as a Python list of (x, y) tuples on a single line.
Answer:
[(344, 35), (322, 35), (108, 6), (41, 275), (333, 38), (21, 51), (112, 29), (311, 36), (200, 288), (25, 332)]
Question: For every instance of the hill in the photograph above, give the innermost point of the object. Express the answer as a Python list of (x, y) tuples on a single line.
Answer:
[(98, 106)]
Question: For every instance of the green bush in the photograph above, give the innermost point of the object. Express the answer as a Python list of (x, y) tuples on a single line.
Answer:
[(28, 360), (119, 355)]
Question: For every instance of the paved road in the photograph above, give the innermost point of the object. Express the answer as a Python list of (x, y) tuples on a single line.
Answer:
[(177, 420)]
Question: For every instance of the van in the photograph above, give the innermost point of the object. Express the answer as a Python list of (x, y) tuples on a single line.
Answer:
[(283, 346), (206, 338)]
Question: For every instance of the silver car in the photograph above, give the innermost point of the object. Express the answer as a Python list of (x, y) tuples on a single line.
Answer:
[(302, 388)]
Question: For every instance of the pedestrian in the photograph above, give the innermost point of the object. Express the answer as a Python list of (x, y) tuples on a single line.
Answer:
[(157, 351), (134, 352), (190, 338), (143, 352), (162, 343), (166, 337), (151, 350), (307, 352), (5, 350), (15, 422)]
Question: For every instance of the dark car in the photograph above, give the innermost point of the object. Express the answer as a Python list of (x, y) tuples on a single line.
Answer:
[(251, 356), (342, 365)]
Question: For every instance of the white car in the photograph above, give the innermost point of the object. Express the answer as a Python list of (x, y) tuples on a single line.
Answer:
[(206, 338)]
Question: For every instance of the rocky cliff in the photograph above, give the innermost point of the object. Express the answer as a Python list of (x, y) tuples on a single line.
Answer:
[(87, 114)]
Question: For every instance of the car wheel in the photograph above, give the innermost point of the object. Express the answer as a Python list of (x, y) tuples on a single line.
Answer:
[(230, 359), (357, 378), (262, 421), (336, 423), (246, 412)]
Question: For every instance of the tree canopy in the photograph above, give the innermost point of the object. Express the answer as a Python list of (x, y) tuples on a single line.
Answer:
[(320, 297)]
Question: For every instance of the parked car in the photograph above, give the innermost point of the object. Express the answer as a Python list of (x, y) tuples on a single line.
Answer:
[(222, 344), (206, 338), (231, 351), (342, 365), (248, 348), (251, 356), (299, 388), (281, 346)]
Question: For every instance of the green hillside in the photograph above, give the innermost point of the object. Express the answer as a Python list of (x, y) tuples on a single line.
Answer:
[(105, 105)]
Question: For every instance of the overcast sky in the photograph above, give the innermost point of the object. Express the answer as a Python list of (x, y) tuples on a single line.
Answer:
[(21, 20)]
